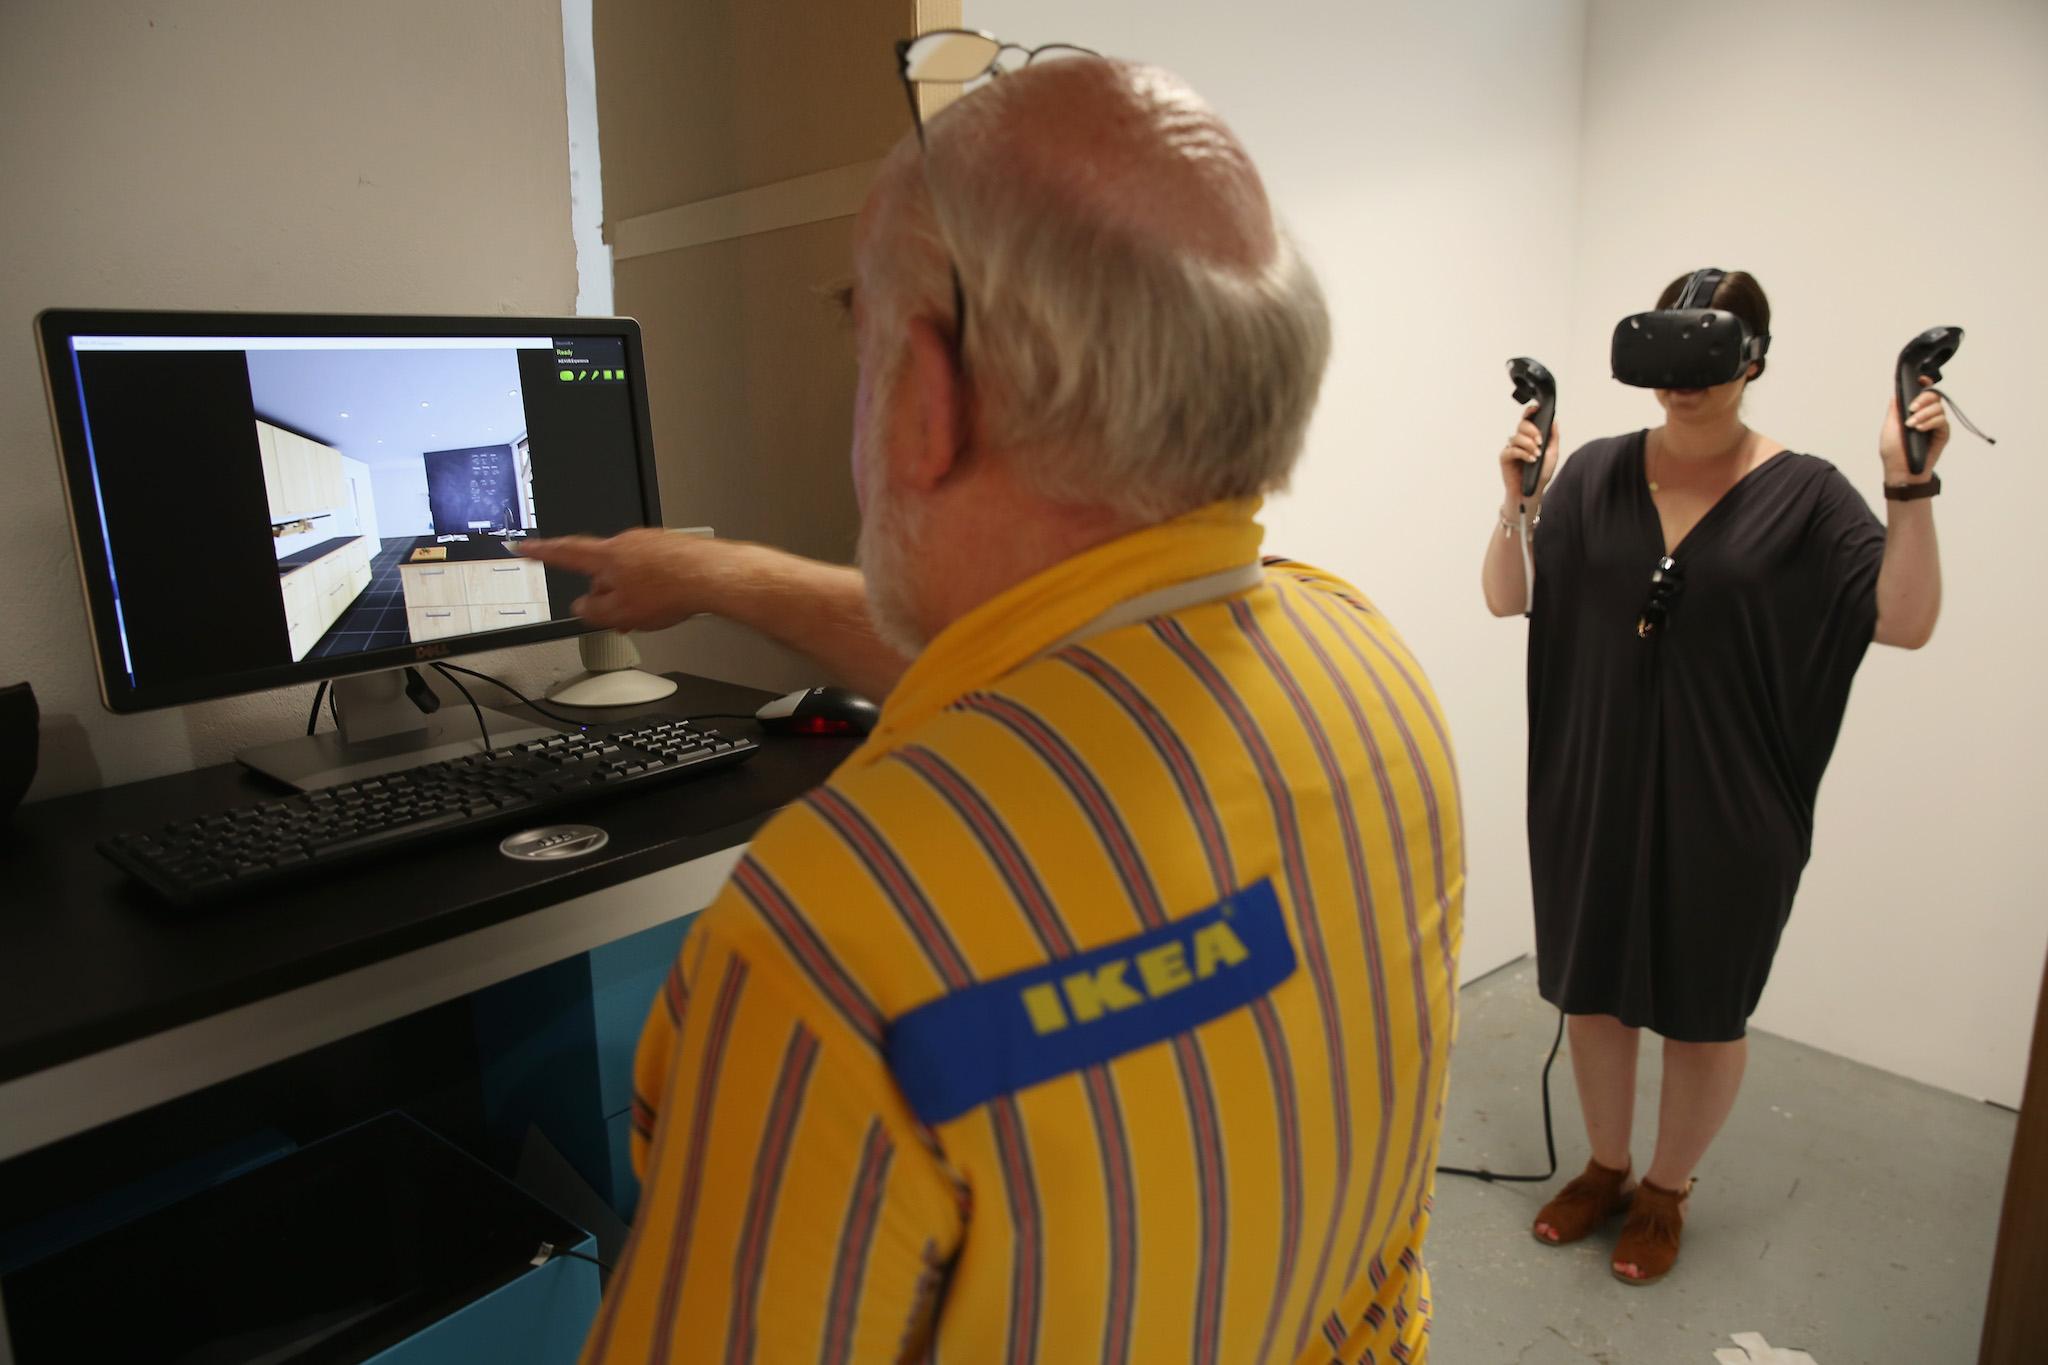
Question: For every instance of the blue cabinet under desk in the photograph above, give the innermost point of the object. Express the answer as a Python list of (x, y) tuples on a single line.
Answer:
[(382, 1243), (553, 1057), (625, 981), (556, 1053), (542, 1318)]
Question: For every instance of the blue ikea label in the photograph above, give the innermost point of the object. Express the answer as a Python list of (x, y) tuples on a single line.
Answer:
[(962, 1050)]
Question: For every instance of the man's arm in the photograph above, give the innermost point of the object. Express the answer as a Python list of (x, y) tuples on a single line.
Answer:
[(649, 580), (788, 1209)]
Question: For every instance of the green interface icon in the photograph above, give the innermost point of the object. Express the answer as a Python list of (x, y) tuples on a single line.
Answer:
[(568, 374)]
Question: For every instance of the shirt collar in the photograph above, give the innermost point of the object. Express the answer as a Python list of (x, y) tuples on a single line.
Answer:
[(1024, 621)]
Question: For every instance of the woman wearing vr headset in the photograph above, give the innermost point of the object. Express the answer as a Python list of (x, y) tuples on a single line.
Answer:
[(1702, 598)]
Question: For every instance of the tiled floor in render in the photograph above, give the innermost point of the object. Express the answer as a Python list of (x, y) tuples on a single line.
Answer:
[(376, 619), (1844, 1210)]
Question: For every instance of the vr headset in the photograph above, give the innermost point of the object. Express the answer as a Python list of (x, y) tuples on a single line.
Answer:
[(1688, 345)]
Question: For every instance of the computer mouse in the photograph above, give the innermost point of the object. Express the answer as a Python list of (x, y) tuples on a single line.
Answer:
[(819, 711)]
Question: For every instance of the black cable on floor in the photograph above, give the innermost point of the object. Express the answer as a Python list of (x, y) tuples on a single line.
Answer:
[(333, 709), (1549, 1133), (471, 700), (313, 716), (501, 683)]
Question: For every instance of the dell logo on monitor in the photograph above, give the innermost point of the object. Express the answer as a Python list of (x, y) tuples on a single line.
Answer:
[(429, 651)]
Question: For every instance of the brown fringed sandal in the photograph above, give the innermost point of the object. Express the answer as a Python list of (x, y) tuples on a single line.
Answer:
[(1648, 1246), (1595, 1195)]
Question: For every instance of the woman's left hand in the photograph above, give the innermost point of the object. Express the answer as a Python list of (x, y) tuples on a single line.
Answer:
[(1928, 414)]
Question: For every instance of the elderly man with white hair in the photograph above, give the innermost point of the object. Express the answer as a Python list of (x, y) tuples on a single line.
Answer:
[(1098, 1008)]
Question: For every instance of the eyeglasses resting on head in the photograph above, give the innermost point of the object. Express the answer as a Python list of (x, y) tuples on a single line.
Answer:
[(962, 56)]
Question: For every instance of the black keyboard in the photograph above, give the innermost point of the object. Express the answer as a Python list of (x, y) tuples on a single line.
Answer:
[(191, 862)]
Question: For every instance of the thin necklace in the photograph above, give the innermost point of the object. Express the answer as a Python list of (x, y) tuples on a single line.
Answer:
[(1656, 487)]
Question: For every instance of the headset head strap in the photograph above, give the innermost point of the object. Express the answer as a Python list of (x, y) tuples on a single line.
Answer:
[(1699, 288)]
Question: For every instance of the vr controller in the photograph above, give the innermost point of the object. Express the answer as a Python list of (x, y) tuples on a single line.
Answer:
[(1690, 345), (1533, 383), (1924, 356)]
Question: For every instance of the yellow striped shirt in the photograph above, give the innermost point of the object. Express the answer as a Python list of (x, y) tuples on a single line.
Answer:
[(1098, 1008)]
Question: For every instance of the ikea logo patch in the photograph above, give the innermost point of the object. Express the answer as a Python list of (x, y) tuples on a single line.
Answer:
[(1125, 983), (958, 1052)]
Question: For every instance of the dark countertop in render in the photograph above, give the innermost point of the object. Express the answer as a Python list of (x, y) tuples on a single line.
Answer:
[(90, 960), (475, 550), (299, 559)]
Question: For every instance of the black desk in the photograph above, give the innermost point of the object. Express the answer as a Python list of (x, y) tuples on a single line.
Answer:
[(109, 1003)]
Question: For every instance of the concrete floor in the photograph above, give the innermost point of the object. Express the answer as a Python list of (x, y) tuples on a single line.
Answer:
[(1844, 1211)]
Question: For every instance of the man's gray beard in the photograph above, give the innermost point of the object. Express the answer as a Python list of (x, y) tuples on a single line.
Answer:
[(889, 542)]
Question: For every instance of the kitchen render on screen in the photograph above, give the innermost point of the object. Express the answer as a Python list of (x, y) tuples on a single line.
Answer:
[(399, 481)]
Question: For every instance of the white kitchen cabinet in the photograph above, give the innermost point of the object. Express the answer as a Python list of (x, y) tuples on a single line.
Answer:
[(316, 594), (334, 588), (295, 463), (433, 585), (330, 573), (299, 618), (328, 483), (432, 623), (356, 556), (488, 594), (304, 477), (521, 580), (273, 486), (506, 615)]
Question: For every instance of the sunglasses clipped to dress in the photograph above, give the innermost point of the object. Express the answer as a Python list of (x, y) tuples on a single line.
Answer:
[(1666, 584)]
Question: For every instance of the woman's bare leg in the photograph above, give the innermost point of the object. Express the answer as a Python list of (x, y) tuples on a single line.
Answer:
[(1700, 1084), (1604, 1065)]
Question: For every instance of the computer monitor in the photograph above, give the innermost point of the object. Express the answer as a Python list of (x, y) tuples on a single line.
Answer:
[(259, 500)]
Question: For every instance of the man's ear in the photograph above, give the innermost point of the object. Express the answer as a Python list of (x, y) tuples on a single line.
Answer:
[(937, 419)]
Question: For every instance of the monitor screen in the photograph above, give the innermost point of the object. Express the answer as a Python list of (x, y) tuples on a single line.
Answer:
[(262, 500)]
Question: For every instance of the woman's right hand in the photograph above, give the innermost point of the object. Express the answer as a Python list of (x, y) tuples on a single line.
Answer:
[(1520, 452)]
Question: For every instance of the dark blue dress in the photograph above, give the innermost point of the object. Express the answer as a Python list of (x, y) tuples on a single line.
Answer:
[(1672, 779)]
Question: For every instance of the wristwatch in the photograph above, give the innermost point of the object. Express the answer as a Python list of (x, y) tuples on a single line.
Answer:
[(1913, 492)]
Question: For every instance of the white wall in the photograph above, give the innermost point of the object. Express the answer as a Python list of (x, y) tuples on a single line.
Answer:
[(362, 498), (377, 156), (586, 166), (403, 508), (1427, 162), (1880, 167)]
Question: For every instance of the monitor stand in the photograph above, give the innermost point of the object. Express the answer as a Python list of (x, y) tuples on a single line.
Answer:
[(382, 731)]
